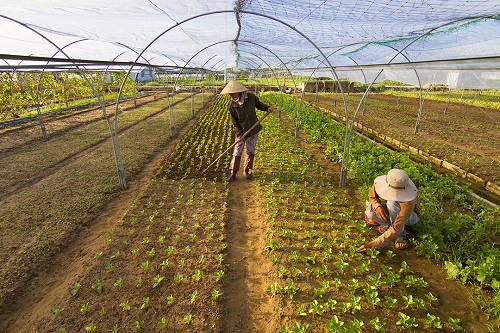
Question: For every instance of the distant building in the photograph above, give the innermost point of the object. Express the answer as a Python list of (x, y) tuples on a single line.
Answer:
[(325, 86), (144, 75)]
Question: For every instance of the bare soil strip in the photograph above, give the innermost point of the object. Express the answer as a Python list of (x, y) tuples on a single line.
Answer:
[(60, 124), (47, 171), (246, 307)]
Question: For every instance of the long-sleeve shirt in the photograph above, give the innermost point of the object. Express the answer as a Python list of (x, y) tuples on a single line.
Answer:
[(244, 116), (398, 224)]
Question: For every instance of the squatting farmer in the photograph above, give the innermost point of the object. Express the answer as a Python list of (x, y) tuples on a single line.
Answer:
[(243, 115), (400, 209)]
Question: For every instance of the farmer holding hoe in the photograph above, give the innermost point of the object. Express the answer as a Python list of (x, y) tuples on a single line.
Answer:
[(243, 115), (401, 208)]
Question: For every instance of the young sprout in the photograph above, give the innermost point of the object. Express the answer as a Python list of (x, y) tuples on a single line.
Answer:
[(145, 302), (97, 286), (377, 324), (389, 301), (431, 297), (372, 297), (274, 288), (58, 309), (406, 321), (84, 307), (433, 321), (144, 265), (118, 283), (75, 288), (157, 280), (138, 324), (192, 296), (197, 275), (454, 322), (187, 319), (218, 275), (163, 322), (334, 324), (90, 327), (216, 294)]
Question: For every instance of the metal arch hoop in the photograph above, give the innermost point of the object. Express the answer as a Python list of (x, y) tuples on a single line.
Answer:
[(118, 162)]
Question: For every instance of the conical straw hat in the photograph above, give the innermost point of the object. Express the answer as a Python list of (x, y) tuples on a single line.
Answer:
[(395, 186), (233, 87)]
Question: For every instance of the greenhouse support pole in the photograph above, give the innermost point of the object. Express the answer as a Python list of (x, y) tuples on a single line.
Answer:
[(192, 103), (171, 110)]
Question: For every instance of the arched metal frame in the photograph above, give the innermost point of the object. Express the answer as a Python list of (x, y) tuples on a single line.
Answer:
[(42, 125), (239, 11), (118, 161), (34, 97)]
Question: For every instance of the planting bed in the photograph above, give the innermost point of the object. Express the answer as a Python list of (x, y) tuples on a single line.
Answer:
[(183, 251)]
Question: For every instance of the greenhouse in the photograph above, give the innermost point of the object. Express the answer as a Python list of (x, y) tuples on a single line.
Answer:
[(116, 211)]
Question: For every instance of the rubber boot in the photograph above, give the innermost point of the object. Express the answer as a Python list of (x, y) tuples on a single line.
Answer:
[(233, 168), (249, 165)]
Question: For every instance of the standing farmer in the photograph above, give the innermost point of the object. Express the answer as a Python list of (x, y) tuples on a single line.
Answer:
[(402, 208), (243, 116)]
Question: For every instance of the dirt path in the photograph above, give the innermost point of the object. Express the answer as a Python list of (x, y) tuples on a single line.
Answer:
[(246, 307)]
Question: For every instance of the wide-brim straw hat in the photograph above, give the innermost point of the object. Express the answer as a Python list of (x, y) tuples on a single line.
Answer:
[(233, 87), (395, 186)]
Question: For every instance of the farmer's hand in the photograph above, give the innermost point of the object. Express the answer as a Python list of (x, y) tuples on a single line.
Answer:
[(270, 109), (364, 247), (381, 213)]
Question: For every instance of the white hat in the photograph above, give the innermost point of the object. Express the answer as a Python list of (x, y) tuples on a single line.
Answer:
[(233, 87), (395, 186)]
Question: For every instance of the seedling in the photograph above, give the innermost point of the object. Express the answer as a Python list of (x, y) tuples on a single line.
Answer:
[(145, 302), (90, 327), (216, 294), (97, 286), (138, 324), (433, 321), (218, 275), (274, 288), (377, 324), (58, 309), (163, 322), (125, 306), (197, 275), (406, 321), (75, 288), (157, 280), (193, 296), (334, 324), (291, 288), (454, 322), (187, 319), (84, 307), (389, 301), (372, 298)]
